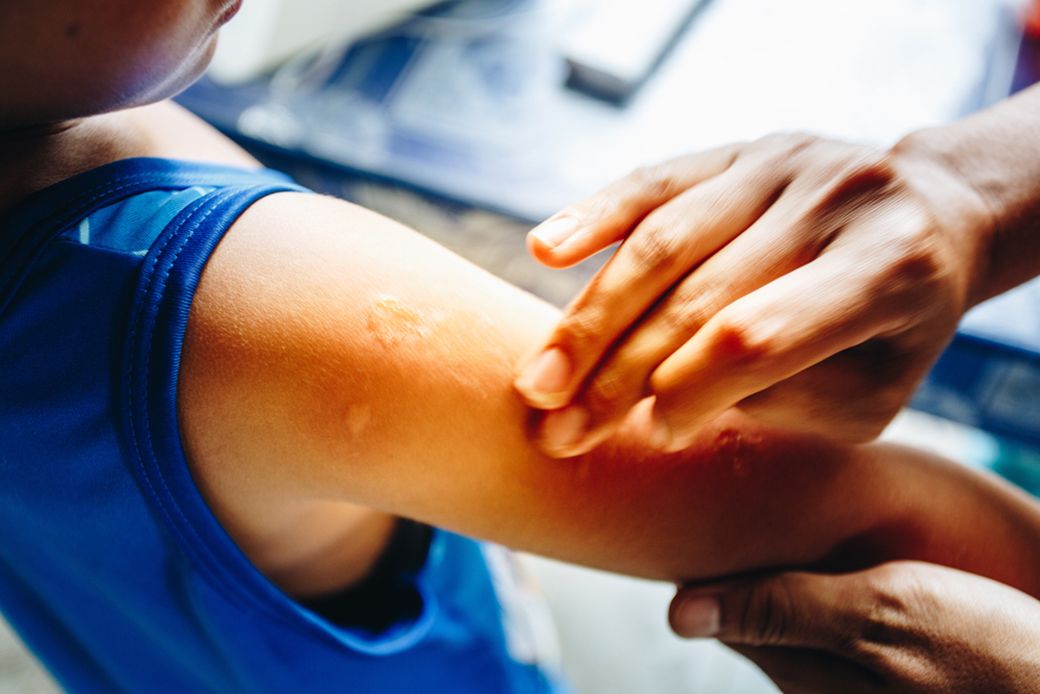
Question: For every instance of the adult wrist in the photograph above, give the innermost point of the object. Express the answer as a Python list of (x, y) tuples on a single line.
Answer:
[(996, 155), (935, 164)]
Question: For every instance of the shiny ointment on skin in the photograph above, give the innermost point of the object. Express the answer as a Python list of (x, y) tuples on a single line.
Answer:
[(392, 322), (393, 325), (358, 418)]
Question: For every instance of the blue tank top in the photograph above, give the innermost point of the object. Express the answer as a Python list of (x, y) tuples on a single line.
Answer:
[(112, 567)]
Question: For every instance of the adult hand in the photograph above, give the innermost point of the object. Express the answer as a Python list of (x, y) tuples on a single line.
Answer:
[(902, 626), (811, 283)]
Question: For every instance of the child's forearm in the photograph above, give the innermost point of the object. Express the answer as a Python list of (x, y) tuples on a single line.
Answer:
[(944, 513), (745, 498)]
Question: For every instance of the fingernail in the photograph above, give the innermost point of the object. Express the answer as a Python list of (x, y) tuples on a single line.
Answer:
[(562, 429), (555, 231), (697, 618), (548, 374)]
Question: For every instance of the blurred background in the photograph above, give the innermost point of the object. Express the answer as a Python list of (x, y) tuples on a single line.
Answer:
[(470, 120)]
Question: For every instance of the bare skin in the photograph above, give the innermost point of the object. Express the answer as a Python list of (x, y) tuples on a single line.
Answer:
[(74, 70), (341, 371), (397, 400), (377, 372)]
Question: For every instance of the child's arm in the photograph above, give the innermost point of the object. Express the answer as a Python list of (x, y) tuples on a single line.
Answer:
[(334, 355)]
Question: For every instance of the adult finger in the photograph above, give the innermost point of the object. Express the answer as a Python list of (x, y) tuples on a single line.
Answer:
[(851, 396), (794, 609), (665, 246), (798, 670), (783, 238), (575, 233), (766, 337)]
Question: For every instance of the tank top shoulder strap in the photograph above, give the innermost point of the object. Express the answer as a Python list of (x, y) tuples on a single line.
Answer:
[(26, 229)]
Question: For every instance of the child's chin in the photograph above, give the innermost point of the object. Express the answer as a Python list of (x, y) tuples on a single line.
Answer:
[(191, 70)]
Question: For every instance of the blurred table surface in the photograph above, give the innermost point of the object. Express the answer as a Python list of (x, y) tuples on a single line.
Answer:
[(469, 100)]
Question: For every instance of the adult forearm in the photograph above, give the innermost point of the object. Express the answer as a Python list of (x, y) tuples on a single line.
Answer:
[(997, 154)]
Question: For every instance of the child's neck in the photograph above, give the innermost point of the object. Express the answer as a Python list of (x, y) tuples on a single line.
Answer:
[(32, 158)]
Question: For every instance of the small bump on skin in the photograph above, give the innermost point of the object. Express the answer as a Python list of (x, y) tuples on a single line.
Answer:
[(72, 30), (358, 418), (735, 448), (392, 322)]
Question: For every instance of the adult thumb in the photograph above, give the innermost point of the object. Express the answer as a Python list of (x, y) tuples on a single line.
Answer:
[(790, 609)]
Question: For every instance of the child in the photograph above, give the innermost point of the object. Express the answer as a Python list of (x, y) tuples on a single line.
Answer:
[(219, 393)]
